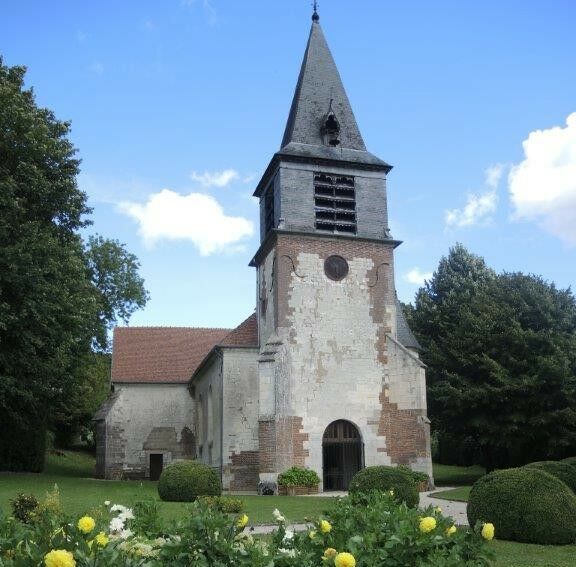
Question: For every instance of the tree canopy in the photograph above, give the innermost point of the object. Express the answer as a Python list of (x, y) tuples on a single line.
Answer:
[(501, 356), (52, 306)]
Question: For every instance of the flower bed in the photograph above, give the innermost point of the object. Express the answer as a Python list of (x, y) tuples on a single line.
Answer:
[(362, 531)]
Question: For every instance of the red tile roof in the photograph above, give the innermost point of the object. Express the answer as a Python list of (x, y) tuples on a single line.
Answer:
[(161, 354), (245, 334)]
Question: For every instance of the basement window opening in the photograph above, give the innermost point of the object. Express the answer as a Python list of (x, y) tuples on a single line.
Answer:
[(335, 203)]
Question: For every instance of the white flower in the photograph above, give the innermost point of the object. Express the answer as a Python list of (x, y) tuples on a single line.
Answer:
[(278, 516), (106, 502), (125, 534), (126, 514), (118, 508), (116, 524), (287, 552), (288, 535)]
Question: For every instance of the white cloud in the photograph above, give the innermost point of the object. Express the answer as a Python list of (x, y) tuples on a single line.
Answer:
[(215, 178), (543, 186), (493, 174), (416, 276), (198, 218), (477, 210)]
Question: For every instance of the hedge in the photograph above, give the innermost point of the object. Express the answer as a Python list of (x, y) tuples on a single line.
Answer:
[(384, 479), (563, 471), (184, 481), (525, 504)]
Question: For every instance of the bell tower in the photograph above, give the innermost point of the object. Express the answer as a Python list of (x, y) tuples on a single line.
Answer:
[(337, 358)]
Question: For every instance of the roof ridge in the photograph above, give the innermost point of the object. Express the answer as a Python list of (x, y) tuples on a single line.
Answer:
[(174, 327)]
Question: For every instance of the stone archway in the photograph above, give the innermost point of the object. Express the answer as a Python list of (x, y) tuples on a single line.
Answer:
[(342, 454)]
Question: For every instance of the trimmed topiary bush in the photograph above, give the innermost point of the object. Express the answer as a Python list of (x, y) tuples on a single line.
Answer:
[(570, 461), (564, 471), (384, 479), (184, 481), (525, 504), (298, 476)]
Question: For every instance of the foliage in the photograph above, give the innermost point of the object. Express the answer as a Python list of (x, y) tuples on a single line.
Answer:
[(417, 476), (570, 460), (147, 517), (114, 273), (563, 471), (207, 537), (298, 476), (225, 504), (525, 504), (450, 475), (386, 479), (51, 311), (501, 357), (184, 481), (23, 507)]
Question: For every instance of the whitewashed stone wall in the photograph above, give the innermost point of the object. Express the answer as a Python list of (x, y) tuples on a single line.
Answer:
[(145, 419)]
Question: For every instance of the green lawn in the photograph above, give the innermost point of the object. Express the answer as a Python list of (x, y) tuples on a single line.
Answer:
[(459, 494), (448, 475), (80, 493), (510, 554)]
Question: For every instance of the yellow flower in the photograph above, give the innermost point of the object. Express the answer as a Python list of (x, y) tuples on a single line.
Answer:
[(86, 524), (427, 524), (312, 534), (102, 539), (391, 492), (242, 521), (488, 531), (59, 558), (325, 526), (345, 560), (330, 553), (451, 530), (438, 510)]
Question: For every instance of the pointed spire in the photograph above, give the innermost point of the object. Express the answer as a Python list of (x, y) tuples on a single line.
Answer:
[(319, 83)]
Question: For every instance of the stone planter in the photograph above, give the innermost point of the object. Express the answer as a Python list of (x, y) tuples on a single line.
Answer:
[(297, 490)]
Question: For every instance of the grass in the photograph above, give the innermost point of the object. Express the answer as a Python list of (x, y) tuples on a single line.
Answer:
[(79, 493), (511, 554), (448, 475), (459, 494)]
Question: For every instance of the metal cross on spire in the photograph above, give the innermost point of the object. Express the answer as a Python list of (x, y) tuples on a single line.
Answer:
[(315, 16)]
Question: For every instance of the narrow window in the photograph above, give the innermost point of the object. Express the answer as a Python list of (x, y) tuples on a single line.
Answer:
[(269, 208), (335, 203)]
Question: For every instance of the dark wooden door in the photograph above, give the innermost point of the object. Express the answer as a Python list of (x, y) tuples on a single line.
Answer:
[(156, 465), (342, 454)]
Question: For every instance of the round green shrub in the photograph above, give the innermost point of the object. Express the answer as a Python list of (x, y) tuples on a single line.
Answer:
[(298, 476), (570, 461), (384, 479), (184, 481), (564, 471), (525, 504)]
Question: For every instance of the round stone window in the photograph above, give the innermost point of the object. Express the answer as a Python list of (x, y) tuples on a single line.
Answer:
[(336, 268)]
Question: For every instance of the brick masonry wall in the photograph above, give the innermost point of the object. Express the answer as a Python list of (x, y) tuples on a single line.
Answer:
[(333, 358)]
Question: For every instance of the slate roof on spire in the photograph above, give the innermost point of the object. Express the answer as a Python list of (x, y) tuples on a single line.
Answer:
[(319, 83)]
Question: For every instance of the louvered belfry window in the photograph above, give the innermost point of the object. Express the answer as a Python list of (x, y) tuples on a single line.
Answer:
[(269, 208), (335, 203)]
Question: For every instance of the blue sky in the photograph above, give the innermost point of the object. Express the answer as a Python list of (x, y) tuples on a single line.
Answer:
[(177, 107)]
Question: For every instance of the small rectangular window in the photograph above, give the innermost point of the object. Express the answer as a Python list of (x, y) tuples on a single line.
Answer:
[(335, 203), (269, 208)]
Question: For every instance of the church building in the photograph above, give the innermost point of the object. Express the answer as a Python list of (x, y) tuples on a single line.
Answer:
[(325, 373)]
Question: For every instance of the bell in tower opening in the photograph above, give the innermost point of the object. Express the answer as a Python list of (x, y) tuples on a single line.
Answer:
[(331, 128)]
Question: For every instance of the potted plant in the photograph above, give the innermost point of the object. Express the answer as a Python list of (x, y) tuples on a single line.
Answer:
[(297, 481)]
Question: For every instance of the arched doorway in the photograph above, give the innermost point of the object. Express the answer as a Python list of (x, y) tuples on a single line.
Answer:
[(341, 454)]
